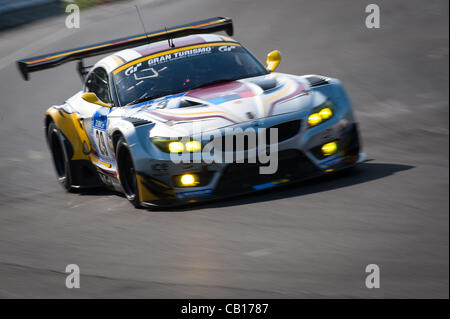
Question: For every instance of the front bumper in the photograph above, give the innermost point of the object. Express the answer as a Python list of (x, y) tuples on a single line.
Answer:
[(298, 160)]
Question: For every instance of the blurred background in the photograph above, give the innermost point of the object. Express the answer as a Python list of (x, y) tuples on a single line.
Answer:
[(308, 240), (14, 13)]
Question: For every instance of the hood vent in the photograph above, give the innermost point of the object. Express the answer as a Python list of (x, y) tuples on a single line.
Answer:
[(137, 121), (188, 103), (316, 80), (266, 84)]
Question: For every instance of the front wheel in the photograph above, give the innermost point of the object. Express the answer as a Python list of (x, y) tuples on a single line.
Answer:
[(127, 173)]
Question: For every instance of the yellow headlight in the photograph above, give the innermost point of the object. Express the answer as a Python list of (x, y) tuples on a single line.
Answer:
[(326, 113), (314, 119), (329, 148), (176, 147), (188, 180), (193, 146)]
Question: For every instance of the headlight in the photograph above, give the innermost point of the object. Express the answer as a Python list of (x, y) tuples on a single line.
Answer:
[(326, 113), (329, 148), (193, 146), (177, 145), (321, 114), (314, 119), (187, 180)]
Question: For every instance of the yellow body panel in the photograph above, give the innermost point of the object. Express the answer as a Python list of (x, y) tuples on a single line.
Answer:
[(144, 194), (73, 129), (96, 159)]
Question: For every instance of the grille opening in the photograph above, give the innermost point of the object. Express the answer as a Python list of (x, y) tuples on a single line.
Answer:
[(286, 131)]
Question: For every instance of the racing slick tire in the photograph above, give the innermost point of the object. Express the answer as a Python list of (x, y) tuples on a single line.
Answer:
[(57, 143), (127, 173)]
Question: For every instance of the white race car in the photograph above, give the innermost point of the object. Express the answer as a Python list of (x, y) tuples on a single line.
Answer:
[(182, 115)]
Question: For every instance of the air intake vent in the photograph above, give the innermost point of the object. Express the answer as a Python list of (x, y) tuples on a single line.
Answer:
[(188, 103), (240, 177), (266, 84), (286, 131), (137, 122), (316, 80)]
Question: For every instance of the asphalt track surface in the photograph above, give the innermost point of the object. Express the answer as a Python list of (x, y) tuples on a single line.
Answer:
[(308, 240)]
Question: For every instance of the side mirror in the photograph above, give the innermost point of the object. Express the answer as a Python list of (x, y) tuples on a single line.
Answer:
[(92, 98), (273, 59)]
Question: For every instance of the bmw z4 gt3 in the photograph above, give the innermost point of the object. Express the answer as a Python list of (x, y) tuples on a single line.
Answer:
[(184, 115)]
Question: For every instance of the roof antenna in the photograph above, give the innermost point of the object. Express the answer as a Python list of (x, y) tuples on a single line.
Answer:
[(142, 22), (170, 40)]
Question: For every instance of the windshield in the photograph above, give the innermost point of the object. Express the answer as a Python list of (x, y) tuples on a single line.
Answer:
[(180, 70)]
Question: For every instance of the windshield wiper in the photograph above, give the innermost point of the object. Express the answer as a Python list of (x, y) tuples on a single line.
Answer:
[(148, 98), (137, 101)]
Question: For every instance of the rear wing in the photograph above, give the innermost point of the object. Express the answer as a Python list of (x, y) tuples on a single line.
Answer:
[(51, 60)]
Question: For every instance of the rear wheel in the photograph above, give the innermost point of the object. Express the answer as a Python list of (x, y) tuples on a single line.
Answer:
[(61, 161), (127, 173)]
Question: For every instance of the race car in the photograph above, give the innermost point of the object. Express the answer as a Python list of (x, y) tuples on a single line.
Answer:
[(183, 115)]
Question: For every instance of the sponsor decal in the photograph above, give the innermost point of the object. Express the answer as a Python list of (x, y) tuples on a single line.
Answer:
[(201, 192), (142, 67), (99, 124), (270, 184), (226, 48), (148, 65)]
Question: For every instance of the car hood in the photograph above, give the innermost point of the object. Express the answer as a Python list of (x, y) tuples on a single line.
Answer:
[(218, 106)]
